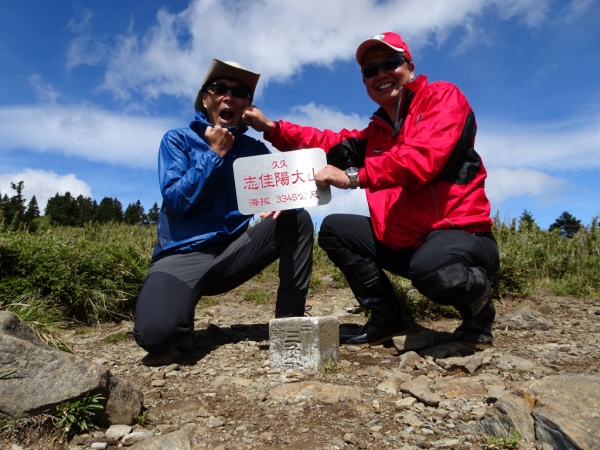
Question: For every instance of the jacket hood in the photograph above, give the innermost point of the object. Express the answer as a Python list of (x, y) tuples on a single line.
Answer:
[(200, 123)]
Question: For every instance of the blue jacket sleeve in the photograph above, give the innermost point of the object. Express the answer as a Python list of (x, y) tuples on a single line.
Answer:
[(182, 185)]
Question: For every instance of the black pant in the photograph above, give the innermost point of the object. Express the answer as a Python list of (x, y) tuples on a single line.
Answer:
[(349, 241), (165, 307)]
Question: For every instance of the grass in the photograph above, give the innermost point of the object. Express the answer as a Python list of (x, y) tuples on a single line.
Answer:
[(505, 443), (78, 277), (258, 296), (78, 415), (116, 338)]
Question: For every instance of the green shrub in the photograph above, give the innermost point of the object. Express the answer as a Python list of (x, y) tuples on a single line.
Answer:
[(78, 415), (90, 274)]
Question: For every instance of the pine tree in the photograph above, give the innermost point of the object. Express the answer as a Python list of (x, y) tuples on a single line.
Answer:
[(63, 210), (32, 211), (134, 214), (153, 214), (567, 224), (526, 221), (14, 207), (86, 208), (109, 210)]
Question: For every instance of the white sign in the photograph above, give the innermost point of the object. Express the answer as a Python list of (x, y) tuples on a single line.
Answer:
[(280, 181)]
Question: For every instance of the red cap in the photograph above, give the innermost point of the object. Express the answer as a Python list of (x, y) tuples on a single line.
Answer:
[(392, 40)]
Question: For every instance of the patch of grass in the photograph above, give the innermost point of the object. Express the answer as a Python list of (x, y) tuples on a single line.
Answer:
[(141, 419), (43, 317), (328, 368), (116, 338), (80, 331), (78, 415), (207, 302), (505, 443), (258, 296)]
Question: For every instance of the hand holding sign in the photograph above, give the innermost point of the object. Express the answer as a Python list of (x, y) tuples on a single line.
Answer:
[(280, 181)]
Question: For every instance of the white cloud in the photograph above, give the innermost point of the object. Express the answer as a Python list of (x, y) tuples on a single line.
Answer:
[(342, 201), (44, 92), (568, 145), (44, 185), (503, 183), (86, 132), (279, 37)]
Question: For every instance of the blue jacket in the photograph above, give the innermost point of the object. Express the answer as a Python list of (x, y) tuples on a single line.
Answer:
[(199, 207)]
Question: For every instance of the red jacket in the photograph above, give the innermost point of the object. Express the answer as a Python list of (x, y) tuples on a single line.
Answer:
[(421, 177)]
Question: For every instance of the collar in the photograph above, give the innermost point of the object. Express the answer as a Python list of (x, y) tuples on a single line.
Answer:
[(200, 123)]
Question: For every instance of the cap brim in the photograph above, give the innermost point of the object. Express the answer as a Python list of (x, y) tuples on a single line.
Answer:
[(369, 43), (221, 69)]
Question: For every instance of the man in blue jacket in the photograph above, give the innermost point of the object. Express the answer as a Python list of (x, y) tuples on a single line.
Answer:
[(204, 244)]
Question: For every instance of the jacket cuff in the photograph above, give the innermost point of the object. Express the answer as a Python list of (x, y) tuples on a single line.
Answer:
[(363, 179), (274, 134)]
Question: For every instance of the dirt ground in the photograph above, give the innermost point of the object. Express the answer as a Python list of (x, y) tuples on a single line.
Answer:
[(222, 386)]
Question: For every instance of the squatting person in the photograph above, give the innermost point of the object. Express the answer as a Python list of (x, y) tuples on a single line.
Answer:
[(429, 215), (204, 244)]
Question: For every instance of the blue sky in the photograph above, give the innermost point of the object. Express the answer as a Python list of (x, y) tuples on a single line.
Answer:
[(89, 88)]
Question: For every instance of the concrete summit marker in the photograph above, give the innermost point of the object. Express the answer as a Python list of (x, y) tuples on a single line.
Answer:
[(305, 343)]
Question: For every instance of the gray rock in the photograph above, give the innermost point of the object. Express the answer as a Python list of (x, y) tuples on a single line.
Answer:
[(177, 440), (465, 363), (508, 362), (137, 436), (524, 319), (566, 410), (40, 377), (117, 431), (419, 389), (509, 414), (409, 359)]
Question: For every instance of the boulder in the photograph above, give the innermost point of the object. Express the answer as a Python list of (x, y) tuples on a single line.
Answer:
[(36, 378), (509, 414), (565, 410)]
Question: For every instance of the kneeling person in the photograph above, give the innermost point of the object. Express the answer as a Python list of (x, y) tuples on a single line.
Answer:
[(204, 244)]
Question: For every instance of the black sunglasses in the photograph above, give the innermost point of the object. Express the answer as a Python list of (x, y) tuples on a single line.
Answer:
[(387, 66), (222, 89)]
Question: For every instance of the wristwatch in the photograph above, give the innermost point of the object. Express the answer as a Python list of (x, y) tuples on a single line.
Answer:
[(352, 173)]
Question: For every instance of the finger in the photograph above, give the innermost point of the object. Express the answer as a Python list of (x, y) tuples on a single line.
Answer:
[(276, 214)]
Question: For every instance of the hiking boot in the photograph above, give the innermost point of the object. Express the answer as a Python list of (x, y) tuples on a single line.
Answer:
[(375, 292), (476, 328)]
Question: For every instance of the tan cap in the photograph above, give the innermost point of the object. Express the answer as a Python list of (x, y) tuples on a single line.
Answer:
[(226, 69)]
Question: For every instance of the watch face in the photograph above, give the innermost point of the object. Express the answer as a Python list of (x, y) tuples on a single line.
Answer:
[(351, 170)]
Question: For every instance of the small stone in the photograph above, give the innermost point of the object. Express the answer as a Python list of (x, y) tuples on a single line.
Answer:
[(405, 403), (214, 422), (117, 431), (98, 445), (158, 383), (137, 436), (350, 438)]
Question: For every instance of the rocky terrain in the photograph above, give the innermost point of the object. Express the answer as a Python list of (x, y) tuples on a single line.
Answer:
[(420, 391)]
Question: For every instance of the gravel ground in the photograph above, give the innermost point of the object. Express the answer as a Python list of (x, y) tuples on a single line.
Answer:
[(224, 386)]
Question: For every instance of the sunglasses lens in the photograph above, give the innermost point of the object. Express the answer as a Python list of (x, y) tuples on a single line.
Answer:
[(236, 91), (371, 71), (239, 92), (386, 66)]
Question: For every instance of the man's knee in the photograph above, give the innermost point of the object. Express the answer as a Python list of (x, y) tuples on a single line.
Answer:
[(453, 284)]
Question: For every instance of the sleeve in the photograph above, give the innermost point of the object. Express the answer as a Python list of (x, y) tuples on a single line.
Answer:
[(184, 187), (432, 133), (344, 149)]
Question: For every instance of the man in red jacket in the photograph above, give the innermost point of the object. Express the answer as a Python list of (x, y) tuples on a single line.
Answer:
[(429, 215)]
